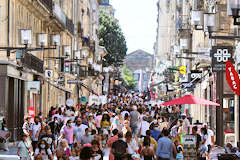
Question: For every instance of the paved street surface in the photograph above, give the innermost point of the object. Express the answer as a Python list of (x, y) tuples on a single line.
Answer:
[(12, 154)]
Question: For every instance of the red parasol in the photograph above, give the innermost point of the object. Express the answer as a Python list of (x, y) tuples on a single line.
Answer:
[(190, 99)]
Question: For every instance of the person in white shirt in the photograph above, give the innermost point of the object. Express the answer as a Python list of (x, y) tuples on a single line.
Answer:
[(79, 130), (186, 124), (144, 126), (27, 126), (210, 140), (35, 128)]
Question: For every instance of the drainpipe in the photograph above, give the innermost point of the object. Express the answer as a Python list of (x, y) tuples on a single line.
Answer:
[(8, 37)]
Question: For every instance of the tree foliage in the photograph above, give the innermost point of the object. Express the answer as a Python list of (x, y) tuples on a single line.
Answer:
[(129, 81), (112, 38)]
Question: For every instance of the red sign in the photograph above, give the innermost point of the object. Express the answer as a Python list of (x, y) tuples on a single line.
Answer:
[(31, 112), (232, 78)]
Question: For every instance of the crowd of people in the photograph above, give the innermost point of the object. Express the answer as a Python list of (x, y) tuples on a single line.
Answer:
[(127, 127)]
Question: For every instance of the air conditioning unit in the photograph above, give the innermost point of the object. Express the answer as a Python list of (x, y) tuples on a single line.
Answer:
[(48, 73)]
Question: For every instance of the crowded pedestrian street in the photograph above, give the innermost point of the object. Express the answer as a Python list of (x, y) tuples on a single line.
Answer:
[(119, 80)]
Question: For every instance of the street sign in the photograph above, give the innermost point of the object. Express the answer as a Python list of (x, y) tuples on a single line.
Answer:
[(73, 81), (195, 75), (83, 99), (187, 85), (183, 69), (221, 54), (48, 73), (33, 86)]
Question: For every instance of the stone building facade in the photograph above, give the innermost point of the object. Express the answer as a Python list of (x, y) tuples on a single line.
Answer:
[(140, 62)]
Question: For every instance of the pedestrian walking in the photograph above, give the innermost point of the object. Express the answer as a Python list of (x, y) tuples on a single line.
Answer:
[(165, 149), (134, 120), (24, 148), (35, 132), (119, 147)]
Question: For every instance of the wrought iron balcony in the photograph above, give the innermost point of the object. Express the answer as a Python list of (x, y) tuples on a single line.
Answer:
[(48, 4), (70, 26)]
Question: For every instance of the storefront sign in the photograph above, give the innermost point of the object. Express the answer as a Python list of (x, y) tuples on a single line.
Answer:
[(93, 99), (189, 140), (232, 78), (33, 86), (221, 54), (195, 75), (31, 112), (189, 145)]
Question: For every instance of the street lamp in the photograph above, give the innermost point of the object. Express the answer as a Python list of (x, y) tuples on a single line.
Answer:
[(42, 39), (233, 8), (210, 22), (84, 52), (25, 37), (55, 40), (67, 50), (197, 19)]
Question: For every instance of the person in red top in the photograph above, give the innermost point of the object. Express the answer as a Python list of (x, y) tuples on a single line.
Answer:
[(111, 140)]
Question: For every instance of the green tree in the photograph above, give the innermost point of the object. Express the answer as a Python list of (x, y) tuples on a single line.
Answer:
[(112, 38), (129, 82)]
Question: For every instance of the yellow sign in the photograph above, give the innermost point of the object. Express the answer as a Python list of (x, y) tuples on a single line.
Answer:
[(183, 70)]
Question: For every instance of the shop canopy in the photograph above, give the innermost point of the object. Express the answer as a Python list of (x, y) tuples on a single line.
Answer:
[(190, 99)]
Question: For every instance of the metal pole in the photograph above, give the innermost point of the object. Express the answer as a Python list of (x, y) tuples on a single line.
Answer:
[(219, 110)]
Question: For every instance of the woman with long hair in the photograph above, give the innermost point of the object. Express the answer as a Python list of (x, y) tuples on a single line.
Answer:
[(132, 143), (44, 150), (147, 152)]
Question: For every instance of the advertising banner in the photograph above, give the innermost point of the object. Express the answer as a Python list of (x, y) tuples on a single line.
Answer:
[(232, 78)]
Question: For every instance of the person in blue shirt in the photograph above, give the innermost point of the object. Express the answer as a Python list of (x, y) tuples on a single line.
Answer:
[(166, 148), (155, 132)]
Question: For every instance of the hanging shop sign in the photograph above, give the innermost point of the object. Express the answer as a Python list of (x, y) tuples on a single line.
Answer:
[(183, 69), (232, 78), (93, 99), (31, 112), (83, 99), (33, 86), (69, 102), (195, 75), (188, 85), (221, 54)]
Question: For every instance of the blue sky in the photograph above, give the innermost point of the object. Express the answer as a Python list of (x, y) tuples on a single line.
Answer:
[(138, 20)]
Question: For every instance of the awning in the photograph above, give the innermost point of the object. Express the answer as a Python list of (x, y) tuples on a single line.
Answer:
[(190, 99)]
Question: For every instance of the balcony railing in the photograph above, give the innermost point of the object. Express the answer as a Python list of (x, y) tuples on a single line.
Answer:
[(70, 26), (48, 4)]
